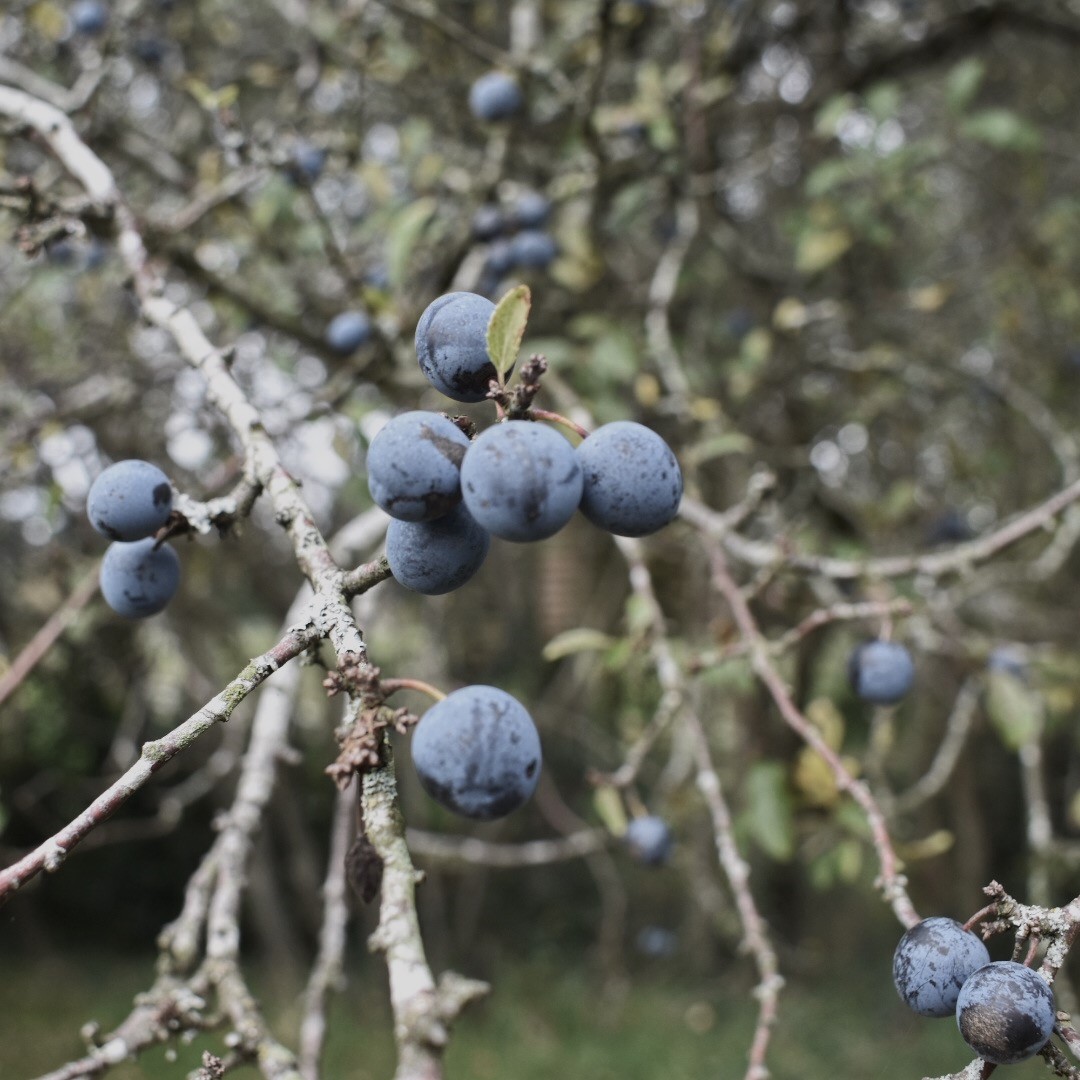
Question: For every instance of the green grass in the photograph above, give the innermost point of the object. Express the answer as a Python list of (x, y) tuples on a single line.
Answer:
[(542, 1021)]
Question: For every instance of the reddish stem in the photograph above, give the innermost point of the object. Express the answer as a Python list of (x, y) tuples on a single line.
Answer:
[(391, 686), (558, 418)]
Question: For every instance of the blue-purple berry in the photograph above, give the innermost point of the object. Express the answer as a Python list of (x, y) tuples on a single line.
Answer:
[(1006, 1012), (632, 482), (414, 466), (881, 672), (451, 345), (931, 963), (129, 500), (436, 557), (649, 839), (348, 331), (477, 753), (521, 480), (495, 96), (533, 249), (138, 580)]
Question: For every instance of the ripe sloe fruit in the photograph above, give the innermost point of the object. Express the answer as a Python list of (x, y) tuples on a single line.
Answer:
[(1005, 1012), (881, 672), (308, 161), (89, 17), (532, 210), (348, 331), (451, 345), (129, 500), (533, 249), (488, 222), (649, 839), (477, 753), (633, 483), (931, 963), (1009, 659), (495, 96), (137, 580), (500, 259), (414, 466), (436, 557), (521, 480)]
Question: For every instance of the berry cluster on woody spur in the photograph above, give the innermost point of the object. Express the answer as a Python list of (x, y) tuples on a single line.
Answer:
[(519, 479), (129, 502), (1005, 1011), (477, 752)]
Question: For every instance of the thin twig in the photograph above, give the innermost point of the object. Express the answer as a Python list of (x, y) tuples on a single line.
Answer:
[(37, 648)]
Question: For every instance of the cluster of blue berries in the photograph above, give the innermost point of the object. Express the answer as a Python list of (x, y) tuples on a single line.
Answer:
[(129, 502), (519, 480), (477, 752), (1004, 1010), (517, 236)]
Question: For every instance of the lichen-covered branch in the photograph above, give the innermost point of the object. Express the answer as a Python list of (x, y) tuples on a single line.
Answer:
[(423, 1011), (51, 854), (891, 881)]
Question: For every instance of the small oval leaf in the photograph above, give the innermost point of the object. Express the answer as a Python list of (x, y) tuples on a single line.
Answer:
[(506, 328)]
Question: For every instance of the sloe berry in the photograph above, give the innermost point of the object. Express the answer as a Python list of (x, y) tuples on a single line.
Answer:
[(129, 500), (881, 672), (138, 580), (633, 483), (533, 249), (495, 96), (500, 259), (477, 753), (89, 17), (451, 345), (649, 839), (414, 466), (932, 961), (531, 210), (521, 480), (308, 161), (348, 331), (488, 222), (436, 557), (1005, 1012)]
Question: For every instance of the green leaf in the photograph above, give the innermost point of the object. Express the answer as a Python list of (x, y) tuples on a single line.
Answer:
[(1015, 710), (403, 234), (883, 100), (609, 809), (831, 113), (580, 639), (964, 82), (506, 328), (768, 812), (818, 249), (1003, 129), (828, 176)]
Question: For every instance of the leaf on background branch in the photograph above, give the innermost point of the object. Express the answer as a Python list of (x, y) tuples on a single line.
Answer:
[(1003, 130), (580, 639), (964, 82), (403, 235), (506, 328), (609, 809), (1015, 710), (768, 814)]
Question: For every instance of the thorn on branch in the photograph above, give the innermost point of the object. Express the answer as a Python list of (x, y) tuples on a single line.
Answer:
[(364, 868)]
